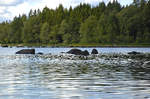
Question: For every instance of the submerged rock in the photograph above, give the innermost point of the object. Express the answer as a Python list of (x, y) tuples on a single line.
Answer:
[(26, 51), (40, 53), (78, 52), (94, 51), (134, 53)]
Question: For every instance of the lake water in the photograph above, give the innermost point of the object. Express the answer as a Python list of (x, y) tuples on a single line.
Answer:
[(11, 51), (34, 77)]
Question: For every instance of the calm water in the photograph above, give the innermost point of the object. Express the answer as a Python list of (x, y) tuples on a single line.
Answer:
[(34, 77)]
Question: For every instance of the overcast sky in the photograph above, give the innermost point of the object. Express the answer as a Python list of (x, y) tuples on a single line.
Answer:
[(11, 8)]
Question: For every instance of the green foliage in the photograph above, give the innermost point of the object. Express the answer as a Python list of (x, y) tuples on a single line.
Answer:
[(15, 30), (64, 31), (44, 34), (55, 36), (102, 24), (4, 32), (88, 30)]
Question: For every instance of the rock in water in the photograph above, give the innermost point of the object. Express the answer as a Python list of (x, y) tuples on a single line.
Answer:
[(40, 53), (75, 51), (94, 51), (85, 53), (134, 53), (78, 52), (26, 51)]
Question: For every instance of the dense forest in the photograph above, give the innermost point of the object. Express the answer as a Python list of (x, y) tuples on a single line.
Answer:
[(109, 23)]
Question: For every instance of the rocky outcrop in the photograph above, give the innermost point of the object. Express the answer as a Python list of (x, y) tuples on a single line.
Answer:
[(78, 52), (94, 51), (26, 51)]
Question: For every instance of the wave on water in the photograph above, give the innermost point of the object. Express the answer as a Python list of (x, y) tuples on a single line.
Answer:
[(101, 74), (69, 59)]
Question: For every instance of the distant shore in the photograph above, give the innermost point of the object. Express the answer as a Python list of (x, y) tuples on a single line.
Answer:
[(76, 45)]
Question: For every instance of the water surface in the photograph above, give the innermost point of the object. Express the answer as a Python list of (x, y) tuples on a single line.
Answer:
[(33, 77)]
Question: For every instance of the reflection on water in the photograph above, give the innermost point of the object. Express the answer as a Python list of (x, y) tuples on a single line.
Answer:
[(31, 77)]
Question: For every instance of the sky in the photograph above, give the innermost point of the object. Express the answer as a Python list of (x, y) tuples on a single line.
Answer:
[(11, 8)]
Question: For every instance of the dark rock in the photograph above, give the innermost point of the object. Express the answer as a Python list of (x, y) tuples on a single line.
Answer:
[(94, 51), (85, 53), (26, 51), (78, 52), (63, 52), (75, 51), (40, 53), (134, 53)]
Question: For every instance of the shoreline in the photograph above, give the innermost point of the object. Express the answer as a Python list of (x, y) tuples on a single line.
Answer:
[(77, 45)]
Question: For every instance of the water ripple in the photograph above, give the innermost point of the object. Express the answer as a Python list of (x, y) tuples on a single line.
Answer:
[(38, 77)]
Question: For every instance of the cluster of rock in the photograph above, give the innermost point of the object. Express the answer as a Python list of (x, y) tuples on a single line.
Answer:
[(141, 59), (72, 51), (133, 59), (80, 52), (73, 54)]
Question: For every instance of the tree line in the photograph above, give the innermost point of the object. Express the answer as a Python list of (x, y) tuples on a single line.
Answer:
[(102, 24)]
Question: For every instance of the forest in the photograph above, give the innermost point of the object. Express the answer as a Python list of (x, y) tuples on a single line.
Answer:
[(109, 23)]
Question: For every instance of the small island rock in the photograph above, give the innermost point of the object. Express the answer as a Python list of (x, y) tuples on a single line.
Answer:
[(75, 51), (40, 53), (85, 53), (134, 53), (94, 51), (78, 52), (26, 51)]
